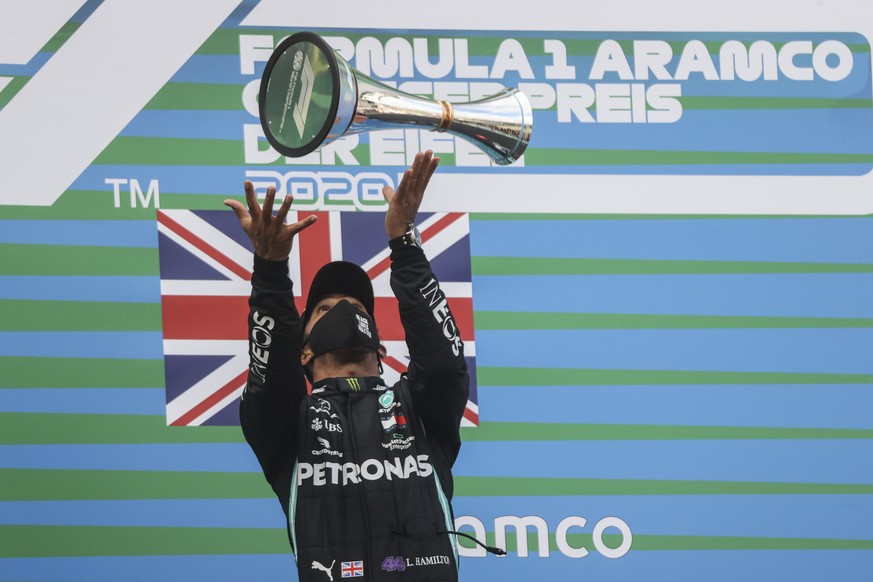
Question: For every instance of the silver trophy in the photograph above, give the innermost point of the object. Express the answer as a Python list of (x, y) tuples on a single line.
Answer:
[(310, 96)]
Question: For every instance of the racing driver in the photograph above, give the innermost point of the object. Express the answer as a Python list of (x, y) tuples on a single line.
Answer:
[(362, 470)]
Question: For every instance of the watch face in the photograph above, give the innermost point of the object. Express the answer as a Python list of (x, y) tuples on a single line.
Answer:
[(417, 236)]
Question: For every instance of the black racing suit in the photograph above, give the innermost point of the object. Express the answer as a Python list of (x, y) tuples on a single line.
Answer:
[(362, 470)]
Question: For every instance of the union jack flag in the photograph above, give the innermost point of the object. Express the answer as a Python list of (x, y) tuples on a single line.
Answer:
[(353, 569), (206, 266)]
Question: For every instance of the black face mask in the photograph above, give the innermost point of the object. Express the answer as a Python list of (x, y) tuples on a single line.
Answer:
[(344, 326)]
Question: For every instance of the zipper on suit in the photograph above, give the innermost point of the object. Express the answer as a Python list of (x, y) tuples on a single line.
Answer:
[(368, 574)]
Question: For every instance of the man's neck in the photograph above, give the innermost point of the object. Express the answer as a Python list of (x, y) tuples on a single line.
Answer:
[(328, 366)]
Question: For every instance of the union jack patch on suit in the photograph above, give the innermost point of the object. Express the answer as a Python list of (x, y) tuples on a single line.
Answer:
[(206, 267), (352, 569)]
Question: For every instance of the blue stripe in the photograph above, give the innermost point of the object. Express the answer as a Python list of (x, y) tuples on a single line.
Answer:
[(216, 69), (678, 566), (84, 400), (817, 240), (229, 513), (28, 70), (746, 460), (659, 566), (786, 295), (787, 406), (226, 568), (812, 131), (212, 180), (59, 288), (807, 131), (202, 457), (101, 233), (83, 344), (794, 461), (833, 351), (802, 516), (188, 124), (791, 516)]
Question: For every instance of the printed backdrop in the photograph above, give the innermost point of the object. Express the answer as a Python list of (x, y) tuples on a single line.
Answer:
[(670, 293)]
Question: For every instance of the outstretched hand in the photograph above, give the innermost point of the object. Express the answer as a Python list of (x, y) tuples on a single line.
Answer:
[(403, 204), (271, 237)]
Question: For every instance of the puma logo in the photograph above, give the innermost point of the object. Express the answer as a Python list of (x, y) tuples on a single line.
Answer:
[(326, 570)]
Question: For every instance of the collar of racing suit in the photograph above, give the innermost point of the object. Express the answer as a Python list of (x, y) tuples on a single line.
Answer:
[(351, 384)]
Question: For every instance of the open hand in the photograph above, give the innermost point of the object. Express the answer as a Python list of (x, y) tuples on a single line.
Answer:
[(271, 237), (403, 204)]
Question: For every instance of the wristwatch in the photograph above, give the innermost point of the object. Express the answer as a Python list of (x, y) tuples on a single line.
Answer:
[(412, 238)]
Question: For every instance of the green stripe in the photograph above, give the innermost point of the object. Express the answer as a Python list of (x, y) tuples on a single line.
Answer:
[(212, 152), (158, 151), (734, 103), (667, 542), (99, 205), (522, 431), (55, 485), (22, 541), (503, 376), (58, 485), (509, 320), (29, 372), (215, 97), (62, 36), (21, 315), (644, 542), (21, 259), (199, 97), (550, 487), (11, 89), (22, 428), (575, 266), (573, 217), (589, 157)]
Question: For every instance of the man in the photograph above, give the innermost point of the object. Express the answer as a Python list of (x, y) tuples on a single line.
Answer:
[(362, 470)]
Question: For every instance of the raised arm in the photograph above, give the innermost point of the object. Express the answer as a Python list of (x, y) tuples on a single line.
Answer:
[(437, 370), (275, 381)]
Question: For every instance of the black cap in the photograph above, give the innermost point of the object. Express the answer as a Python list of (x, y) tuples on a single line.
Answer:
[(339, 278)]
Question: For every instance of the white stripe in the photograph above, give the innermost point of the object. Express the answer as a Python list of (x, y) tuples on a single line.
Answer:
[(214, 237), (444, 239), (238, 288), (294, 269), (205, 387), (400, 351), (629, 15), (207, 348), (93, 87), (292, 511), (197, 253), (382, 288), (209, 413), (4, 81), (25, 27), (336, 236)]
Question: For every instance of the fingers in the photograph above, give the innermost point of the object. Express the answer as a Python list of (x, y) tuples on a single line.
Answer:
[(302, 225), (267, 210), (283, 210), (431, 169), (252, 200), (388, 193), (238, 209)]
